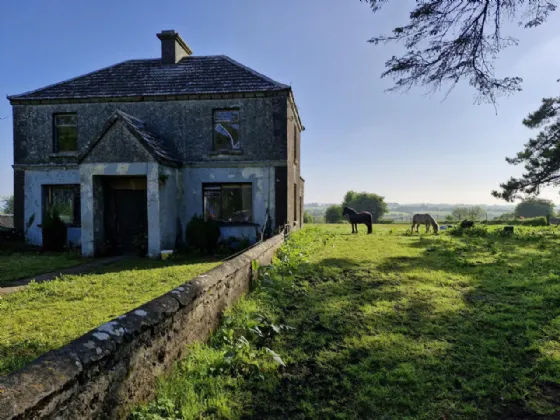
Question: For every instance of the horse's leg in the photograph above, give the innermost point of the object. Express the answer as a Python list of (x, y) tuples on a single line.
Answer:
[(427, 228), (412, 228)]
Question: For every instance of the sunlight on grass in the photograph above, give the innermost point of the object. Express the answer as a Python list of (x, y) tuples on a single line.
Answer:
[(20, 265), (388, 326), (45, 316)]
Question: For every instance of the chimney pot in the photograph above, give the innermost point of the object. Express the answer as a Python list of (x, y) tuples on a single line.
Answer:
[(173, 48)]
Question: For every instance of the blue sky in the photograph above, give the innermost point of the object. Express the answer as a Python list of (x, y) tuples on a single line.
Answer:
[(406, 147)]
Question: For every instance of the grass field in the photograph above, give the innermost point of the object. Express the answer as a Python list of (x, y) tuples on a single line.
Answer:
[(385, 326), (18, 265), (48, 315)]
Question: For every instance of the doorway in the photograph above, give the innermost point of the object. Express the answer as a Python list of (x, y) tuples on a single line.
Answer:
[(126, 214)]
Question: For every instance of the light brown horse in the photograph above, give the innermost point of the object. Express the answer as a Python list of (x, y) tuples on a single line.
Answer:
[(424, 219)]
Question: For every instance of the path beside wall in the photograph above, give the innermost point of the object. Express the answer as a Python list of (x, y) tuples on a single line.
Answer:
[(107, 371)]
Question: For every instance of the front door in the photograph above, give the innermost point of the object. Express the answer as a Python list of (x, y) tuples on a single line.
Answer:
[(126, 215), (131, 216)]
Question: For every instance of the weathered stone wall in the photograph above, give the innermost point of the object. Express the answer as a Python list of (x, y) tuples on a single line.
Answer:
[(294, 173), (104, 373), (186, 123)]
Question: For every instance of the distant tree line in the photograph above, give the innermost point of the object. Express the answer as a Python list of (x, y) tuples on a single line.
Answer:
[(359, 201)]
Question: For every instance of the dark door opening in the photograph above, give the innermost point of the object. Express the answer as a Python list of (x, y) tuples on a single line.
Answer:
[(126, 214)]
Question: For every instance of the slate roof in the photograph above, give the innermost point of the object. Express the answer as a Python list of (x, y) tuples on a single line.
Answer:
[(192, 75), (155, 145)]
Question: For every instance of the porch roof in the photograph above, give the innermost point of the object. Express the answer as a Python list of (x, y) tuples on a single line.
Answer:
[(154, 144)]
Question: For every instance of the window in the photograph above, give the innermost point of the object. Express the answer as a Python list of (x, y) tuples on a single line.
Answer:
[(66, 200), (226, 129), (228, 202), (65, 133), (295, 142)]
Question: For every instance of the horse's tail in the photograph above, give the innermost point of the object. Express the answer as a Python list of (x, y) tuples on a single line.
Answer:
[(369, 226)]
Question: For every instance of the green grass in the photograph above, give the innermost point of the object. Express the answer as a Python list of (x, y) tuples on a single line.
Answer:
[(19, 265), (48, 315), (386, 326)]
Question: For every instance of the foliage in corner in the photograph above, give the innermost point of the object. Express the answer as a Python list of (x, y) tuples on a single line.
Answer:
[(448, 41), (541, 156)]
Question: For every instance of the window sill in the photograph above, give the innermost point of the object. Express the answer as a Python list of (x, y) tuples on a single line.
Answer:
[(225, 152), (64, 155)]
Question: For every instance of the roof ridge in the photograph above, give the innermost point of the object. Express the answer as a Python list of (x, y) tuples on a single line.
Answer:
[(68, 80), (254, 72)]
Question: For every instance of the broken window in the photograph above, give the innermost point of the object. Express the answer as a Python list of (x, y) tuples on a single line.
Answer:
[(66, 200), (226, 130), (65, 133), (228, 202)]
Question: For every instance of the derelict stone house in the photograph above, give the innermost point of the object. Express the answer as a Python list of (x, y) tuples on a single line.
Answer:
[(142, 146)]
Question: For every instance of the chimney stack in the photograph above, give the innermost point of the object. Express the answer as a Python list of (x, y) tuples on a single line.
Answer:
[(173, 48)]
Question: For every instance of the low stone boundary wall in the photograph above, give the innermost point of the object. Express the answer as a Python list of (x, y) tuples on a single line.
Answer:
[(102, 374)]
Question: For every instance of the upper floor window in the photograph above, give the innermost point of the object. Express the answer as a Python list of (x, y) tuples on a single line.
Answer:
[(226, 129), (65, 133)]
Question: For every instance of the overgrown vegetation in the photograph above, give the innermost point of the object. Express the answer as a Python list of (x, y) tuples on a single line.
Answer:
[(385, 326), (48, 315)]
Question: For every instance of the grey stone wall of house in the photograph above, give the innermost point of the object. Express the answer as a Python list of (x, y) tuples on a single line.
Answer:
[(118, 145), (187, 123), (104, 373), (294, 173)]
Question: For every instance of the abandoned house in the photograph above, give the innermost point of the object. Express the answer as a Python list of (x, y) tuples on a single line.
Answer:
[(141, 147)]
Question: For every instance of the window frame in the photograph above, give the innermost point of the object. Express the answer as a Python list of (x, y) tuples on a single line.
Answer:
[(76, 201), (55, 144), (230, 149), (207, 185)]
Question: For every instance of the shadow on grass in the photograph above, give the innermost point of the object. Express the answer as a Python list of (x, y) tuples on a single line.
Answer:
[(405, 342)]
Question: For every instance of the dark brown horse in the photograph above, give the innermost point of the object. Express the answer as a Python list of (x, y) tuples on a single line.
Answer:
[(362, 217)]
